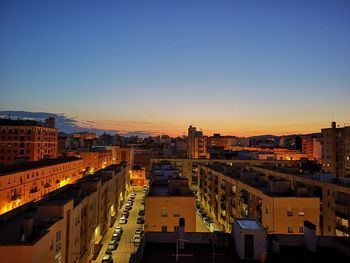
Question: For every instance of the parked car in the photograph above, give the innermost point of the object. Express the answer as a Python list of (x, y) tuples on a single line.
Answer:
[(128, 207), (116, 237), (123, 220), (112, 245), (139, 231), (133, 194), (137, 238), (140, 220), (107, 258), (141, 212), (118, 230), (126, 213)]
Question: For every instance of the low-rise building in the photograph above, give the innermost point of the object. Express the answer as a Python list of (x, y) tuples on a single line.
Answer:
[(138, 176), (168, 199)]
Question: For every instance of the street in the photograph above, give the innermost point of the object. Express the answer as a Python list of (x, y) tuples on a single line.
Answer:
[(126, 245)]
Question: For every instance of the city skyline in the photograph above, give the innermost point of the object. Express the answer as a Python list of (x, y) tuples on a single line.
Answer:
[(235, 68)]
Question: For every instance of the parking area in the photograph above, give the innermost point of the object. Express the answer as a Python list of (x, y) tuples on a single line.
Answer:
[(127, 241), (204, 223)]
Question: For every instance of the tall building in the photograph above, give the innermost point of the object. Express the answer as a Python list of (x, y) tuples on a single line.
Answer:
[(197, 144), (27, 140), (336, 150)]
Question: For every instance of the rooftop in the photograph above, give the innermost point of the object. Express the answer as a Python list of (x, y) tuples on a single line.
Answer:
[(249, 224), (15, 168), (22, 122)]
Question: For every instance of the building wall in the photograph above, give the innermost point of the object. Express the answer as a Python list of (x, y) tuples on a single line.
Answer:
[(30, 143), (175, 206), (138, 177), (96, 160), (222, 196), (18, 188), (336, 150)]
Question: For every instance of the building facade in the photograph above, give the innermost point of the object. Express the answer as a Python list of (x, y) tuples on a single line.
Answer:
[(336, 150), (26, 182), (228, 193), (26, 140), (68, 225), (168, 199)]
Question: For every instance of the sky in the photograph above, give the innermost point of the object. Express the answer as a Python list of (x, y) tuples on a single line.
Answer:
[(233, 67)]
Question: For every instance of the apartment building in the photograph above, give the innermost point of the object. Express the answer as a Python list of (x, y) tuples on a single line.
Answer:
[(138, 176), (334, 194), (313, 148), (95, 159), (197, 144), (225, 142), (228, 192), (27, 140), (168, 199), (188, 168), (336, 150), (25, 182), (67, 225)]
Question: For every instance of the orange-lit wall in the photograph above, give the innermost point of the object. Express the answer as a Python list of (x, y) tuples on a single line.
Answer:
[(31, 143), (154, 220), (21, 187)]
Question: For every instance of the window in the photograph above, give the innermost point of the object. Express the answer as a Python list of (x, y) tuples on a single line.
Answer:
[(301, 212), (176, 228), (290, 212), (301, 229), (164, 212), (290, 229), (164, 229), (58, 236), (176, 212)]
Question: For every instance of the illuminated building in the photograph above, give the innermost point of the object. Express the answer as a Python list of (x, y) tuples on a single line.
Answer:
[(65, 226), (168, 199), (30, 181), (95, 159), (27, 140), (197, 144), (228, 192), (313, 148), (138, 176)]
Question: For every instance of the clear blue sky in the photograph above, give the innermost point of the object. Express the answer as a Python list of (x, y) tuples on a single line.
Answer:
[(236, 67)]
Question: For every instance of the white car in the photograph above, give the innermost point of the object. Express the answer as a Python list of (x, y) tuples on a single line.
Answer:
[(123, 220), (137, 238)]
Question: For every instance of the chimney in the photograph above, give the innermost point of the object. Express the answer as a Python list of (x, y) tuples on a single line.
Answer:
[(28, 226), (334, 124), (310, 240)]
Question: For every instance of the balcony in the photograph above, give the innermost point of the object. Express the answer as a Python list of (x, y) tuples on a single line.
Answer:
[(14, 196), (33, 190)]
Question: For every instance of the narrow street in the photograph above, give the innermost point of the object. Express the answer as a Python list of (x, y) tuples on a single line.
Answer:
[(126, 245)]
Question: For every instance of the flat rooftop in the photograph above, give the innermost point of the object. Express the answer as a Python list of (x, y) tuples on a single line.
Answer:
[(249, 224), (22, 122), (20, 167)]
